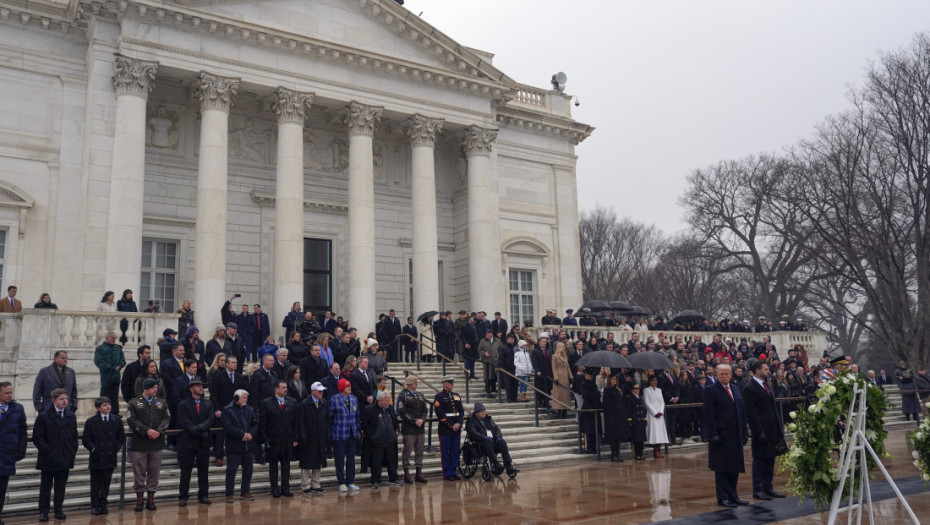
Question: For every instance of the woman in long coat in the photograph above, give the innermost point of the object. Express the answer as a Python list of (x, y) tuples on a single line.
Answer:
[(616, 426), (427, 340), (561, 375), (656, 435), (637, 418)]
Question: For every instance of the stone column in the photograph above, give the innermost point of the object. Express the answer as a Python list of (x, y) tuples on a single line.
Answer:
[(216, 95), (133, 81), (422, 133), (290, 108), (484, 263), (360, 121)]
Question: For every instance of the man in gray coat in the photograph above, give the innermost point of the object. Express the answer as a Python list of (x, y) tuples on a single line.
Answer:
[(57, 375)]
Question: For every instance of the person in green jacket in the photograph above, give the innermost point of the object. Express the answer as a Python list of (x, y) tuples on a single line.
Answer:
[(110, 359)]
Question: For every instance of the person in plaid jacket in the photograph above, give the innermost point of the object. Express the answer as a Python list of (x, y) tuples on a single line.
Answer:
[(346, 428)]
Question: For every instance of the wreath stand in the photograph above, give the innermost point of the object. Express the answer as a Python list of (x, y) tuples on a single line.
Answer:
[(853, 454)]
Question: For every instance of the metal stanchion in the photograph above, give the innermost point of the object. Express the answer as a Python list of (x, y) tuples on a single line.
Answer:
[(122, 478)]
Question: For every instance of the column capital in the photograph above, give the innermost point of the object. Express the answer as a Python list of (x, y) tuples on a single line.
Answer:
[(289, 105), (216, 92), (133, 76), (422, 130), (476, 140), (361, 119)]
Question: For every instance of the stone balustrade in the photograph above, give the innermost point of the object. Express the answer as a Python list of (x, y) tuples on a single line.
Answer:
[(814, 342), (29, 340), (530, 96)]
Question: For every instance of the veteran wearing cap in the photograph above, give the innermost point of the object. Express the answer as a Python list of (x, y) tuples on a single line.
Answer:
[(148, 421), (195, 417), (312, 438), (447, 405)]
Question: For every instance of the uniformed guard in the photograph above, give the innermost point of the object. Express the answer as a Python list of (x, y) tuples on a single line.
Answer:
[(586, 318), (550, 318), (449, 410), (148, 420)]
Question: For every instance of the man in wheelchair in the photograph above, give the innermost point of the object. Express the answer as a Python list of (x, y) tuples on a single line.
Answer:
[(486, 436)]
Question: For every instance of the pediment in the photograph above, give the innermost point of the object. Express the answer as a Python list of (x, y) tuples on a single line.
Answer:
[(526, 246), (379, 27), (12, 196)]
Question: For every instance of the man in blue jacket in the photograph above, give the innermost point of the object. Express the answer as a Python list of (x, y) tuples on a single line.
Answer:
[(13, 437)]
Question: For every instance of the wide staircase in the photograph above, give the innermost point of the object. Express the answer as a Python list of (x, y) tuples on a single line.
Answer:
[(553, 440)]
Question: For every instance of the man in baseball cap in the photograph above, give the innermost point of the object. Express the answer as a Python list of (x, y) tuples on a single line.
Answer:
[(311, 451), (347, 426)]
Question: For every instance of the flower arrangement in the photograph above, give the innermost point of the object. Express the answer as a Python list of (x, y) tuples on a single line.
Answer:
[(921, 441), (818, 431)]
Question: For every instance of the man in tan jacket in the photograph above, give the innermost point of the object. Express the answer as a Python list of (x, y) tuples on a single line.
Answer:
[(10, 304), (488, 350)]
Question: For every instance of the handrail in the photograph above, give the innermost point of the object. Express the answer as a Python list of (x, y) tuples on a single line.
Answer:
[(538, 391), (427, 383)]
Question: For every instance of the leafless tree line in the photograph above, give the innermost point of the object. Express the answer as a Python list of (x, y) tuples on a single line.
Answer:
[(836, 228)]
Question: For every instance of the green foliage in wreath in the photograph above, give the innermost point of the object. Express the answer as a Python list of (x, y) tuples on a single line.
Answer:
[(818, 431), (921, 441)]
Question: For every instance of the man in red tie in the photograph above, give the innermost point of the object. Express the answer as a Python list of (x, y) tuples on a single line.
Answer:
[(195, 417), (767, 435), (725, 421)]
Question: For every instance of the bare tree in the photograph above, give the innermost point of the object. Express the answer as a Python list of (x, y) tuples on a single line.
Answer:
[(865, 190), (732, 208), (614, 253)]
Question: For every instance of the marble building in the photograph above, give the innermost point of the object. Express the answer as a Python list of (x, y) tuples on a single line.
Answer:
[(341, 153)]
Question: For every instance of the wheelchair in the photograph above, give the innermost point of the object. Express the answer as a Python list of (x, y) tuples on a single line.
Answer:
[(472, 458)]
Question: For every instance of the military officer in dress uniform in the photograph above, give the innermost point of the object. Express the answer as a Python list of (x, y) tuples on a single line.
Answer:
[(550, 318), (448, 408), (586, 319)]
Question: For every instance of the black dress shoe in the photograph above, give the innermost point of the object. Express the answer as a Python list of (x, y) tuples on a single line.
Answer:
[(287, 493), (60, 516), (740, 502), (774, 494), (762, 496), (275, 493), (103, 510), (182, 502), (95, 511), (726, 503), (204, 500), (43, 517)]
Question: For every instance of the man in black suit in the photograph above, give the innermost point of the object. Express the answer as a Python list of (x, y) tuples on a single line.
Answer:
[(279, 428), (56, 376), (261, 386), (671, 393), (391, 328), (280, 363), (103, 437), (235, 343), (884, 379), (313, 367), (499, 326), (364, 387), (725, 421), (133, 371), (55, 436), (195, 416), (542, 367), (222, 389), (766, 431), (331, 382), (172, 369), (260, 326)]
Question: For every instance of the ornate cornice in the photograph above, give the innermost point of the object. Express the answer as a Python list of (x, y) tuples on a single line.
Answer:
[(268, 200), (543, 124), (168, 221), (422, 130), (216, 92), (477, 140), (361, 119), (289, 105), (133, 76)]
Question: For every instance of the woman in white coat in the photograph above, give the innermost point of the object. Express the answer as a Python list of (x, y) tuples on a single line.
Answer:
[(523, 366), (655, 427)]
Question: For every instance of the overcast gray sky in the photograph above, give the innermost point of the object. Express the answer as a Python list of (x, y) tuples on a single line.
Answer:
[(676, 85)]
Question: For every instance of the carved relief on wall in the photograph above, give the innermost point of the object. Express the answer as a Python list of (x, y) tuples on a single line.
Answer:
[(340, 155), (252, 140), (163, 129), (316, 153)]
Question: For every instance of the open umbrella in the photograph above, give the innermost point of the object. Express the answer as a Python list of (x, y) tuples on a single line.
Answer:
[(685, 316), (637, 311), (603, 358), (426, 315), (620, 306), (595, 306), (653, 360)]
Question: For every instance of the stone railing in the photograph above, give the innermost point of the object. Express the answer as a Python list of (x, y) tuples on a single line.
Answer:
[(530, 96), (814, 342), (29, 340)]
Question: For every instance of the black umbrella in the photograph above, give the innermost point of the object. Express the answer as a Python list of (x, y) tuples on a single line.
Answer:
[(620, 306), (638, 311), (685, 316), (426, 315), (595, 306), (603, 358), (653, 360)]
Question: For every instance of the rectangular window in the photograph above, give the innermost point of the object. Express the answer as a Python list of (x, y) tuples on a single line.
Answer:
[(318, 275), (159, 274), (522, 296)]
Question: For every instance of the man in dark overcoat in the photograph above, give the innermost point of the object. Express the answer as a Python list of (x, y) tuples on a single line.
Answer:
[(765, 429), (195, 417), (103, 437), (13, 437), (312, 438), (279, 426), (55, 436), (725, 420)]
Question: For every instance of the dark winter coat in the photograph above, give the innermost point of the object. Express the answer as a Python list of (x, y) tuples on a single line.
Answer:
[(616, 425), (57, 440), (13, 438), (279, 427), (103, 440), (313, 433), (762, 418), (592, 400), (195, 428), (725, 418), (636, 417), (237, 422)]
